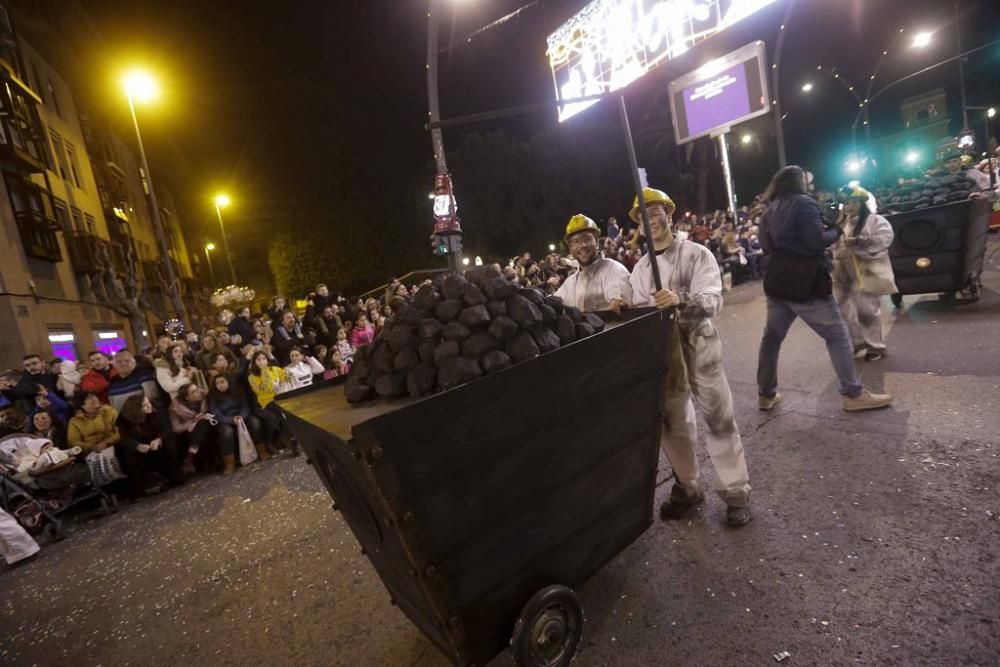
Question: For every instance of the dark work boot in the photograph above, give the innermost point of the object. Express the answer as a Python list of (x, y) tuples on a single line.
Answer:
[(737, 516), (680, 502)]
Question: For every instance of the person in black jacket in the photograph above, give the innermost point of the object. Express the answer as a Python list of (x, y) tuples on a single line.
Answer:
[(147, 444), (241, 326), (795, 236)]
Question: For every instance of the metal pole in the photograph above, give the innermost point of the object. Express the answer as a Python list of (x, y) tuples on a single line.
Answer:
[(727, 172), (989, 151), (161, 237), (779, 127), (637, 183), (225, 245), (211, 271), (961, 65)]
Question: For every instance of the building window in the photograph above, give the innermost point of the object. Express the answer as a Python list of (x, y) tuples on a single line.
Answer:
[(62, 344), (60, 153), (37, 84), (55, 99), (109, 340), (89, 219), (78, 220), (62, 215), (74, 167)]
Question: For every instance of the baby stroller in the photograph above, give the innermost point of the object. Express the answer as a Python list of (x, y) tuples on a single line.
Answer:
[(40, 510)]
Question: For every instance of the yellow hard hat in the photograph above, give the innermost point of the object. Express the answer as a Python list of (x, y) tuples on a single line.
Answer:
[(854, 192), (581, 223), (651, 196)]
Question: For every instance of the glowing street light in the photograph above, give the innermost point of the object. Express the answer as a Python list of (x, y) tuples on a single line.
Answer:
[(921, 39), (221, 201), (991, 112), (465, 261), (853, 166), (552, 247), (209, 247), (807, 88), (912, 157), (746, 139), (142, 87)]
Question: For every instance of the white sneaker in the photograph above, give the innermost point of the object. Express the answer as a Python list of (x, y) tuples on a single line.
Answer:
[(866, 401)]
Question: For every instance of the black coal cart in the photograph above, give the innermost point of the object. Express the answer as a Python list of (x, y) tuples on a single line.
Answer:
[(482, 507), (940, 249)]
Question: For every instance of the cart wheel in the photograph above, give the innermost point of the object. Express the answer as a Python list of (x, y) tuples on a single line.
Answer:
[(55, 531), (548, 631), (107, 508), (897, 300)]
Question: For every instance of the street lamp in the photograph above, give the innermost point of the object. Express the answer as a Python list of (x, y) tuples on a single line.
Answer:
[(921, 39), (209, 247), (140, 86), (991, 112), (552, 247), (807, 87), (221, 201), (912, 157), (746, 139)]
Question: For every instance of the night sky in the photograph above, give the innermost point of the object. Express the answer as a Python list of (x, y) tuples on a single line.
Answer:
[(302, 107)]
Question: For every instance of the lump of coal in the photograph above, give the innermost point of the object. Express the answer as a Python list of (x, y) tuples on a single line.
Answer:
[(583, 330), (566, 329), (503, 328), (391, 385), (409, 315), (549, 314), (425, 350), (406, 360), (457, 371), (546, 340), (429, 329), (533, 295), (475, 317), (573, 312), (448, 310), (555, 302), (494, 361), (362, 366), (523, 312), (497, 308), (456, 331), (382, 359), (454, 287), (522, 348), (421, 380), (499, 289), (356, 391), (426, 298), (595, 321), (400, 336), (478, 344), (474, 296), (446, 350)]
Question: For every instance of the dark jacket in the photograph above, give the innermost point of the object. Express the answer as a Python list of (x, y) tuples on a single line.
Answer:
[(154, 425), (240, 326), (228, 405), (793, 224)]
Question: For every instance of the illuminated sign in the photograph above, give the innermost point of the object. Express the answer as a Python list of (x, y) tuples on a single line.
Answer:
[(611, 43), (720, 94)]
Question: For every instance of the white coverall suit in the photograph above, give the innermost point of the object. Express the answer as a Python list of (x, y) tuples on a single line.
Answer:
[(861, 275), (690, 270), (593, 287), (15, 542)]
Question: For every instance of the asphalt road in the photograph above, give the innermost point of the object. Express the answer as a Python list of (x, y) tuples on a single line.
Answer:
[(875, 540)]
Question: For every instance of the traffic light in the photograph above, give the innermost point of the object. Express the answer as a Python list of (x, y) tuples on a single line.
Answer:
[(446, 244)]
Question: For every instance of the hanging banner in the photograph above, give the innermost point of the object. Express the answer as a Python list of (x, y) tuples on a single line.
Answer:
[(611, 43)]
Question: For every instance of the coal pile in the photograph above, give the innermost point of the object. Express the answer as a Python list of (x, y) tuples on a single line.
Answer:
[(459, 329), (934, 189)]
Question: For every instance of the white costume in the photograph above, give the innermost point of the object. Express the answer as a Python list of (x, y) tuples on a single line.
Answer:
[(15, 542), (301, 374), (593, 287), (861, 275), (690, 270)]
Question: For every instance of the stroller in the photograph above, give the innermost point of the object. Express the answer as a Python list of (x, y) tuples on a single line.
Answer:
[(40, 510)]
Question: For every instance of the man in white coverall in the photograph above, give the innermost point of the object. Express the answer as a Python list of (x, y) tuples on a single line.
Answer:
[(601, 283), (15, 542), (692, 283)]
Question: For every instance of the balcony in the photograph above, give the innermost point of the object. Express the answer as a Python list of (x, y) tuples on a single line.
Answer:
[(38, 235), (119, 258), (152, 275), (88, 253)]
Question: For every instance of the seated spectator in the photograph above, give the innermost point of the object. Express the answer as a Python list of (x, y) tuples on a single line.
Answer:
[(92, 428), (266, 382), (302, 368), (286, 336), (344, 346), (163, 343), (241, 326), (46, 425), (231, 408), (95, 380), (132, 376), (209, 348), (50, 401), (329, 323), (146, 445), (337, 366), (26, 383), (362, 334), (191, 423), (173, 371), (220, 366), (11, 419), (262, 332), (278, 306)]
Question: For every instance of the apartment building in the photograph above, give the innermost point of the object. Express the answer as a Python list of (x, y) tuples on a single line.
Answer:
[(80, 265)]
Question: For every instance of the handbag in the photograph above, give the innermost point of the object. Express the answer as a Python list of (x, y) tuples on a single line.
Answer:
[(797, 278), (248, 453), (104, 467)]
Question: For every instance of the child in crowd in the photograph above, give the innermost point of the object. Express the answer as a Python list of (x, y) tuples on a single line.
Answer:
[(344, 346), (302, 368)]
